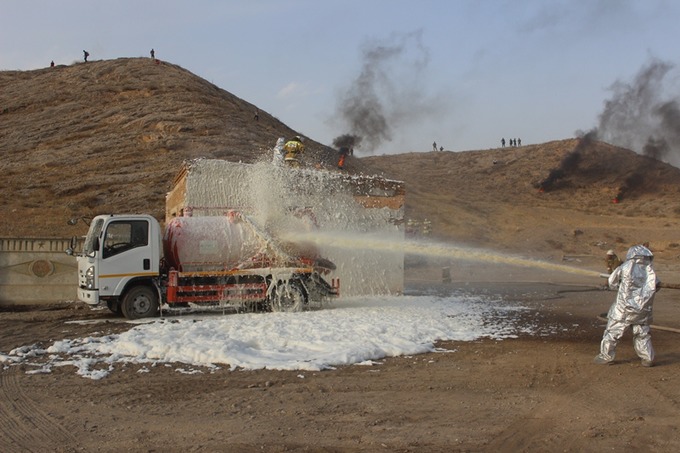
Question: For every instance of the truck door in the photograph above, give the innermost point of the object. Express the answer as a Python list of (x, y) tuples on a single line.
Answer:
[(126, 253)]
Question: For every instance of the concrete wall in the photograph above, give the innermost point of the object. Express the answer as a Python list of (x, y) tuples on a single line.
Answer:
[(36, 270)]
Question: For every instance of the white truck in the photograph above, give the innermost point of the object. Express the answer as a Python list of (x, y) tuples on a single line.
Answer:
[(128, 263)]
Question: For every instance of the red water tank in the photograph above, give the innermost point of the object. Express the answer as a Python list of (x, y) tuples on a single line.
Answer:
[(209, 243)]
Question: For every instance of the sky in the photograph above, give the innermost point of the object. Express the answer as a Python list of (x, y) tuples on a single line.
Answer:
[(401, 74), (352, 331)]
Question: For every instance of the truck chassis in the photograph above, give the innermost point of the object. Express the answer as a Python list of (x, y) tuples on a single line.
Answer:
[(253, 290)]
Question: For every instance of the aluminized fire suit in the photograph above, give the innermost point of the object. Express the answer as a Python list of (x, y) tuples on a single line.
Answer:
[(637, 283)]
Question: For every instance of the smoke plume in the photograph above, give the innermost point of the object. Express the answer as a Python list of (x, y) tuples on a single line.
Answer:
[(633, 182), (387, 93), (644, 115), (347, 141), (569, 163), (640, 116)]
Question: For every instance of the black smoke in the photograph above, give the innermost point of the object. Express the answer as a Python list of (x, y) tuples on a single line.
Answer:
[(656, 148), (387, 95), (568, 164), (347, 141), (644, 115), (633, 182)]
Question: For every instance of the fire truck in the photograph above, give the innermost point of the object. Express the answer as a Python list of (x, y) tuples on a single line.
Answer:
[(139, 269)]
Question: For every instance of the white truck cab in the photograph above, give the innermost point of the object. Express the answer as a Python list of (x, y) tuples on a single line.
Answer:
[(121, 255), (207, 265)]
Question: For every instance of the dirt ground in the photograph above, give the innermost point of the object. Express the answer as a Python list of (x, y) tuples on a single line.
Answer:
[(537, 392)]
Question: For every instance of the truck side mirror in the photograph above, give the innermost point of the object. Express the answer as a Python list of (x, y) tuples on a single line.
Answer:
[(72, 246)]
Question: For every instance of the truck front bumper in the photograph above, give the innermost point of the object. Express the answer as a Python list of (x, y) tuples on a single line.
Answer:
[(89, 296)]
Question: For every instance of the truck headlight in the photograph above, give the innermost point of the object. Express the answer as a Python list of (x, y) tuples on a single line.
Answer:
[(89, 278)]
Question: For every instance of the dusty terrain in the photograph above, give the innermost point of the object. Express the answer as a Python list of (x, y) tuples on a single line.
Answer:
[(109, 136), (532, 393), (492, 199)]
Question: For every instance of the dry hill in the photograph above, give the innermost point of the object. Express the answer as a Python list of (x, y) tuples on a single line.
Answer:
[(109, 136), (569, 197)]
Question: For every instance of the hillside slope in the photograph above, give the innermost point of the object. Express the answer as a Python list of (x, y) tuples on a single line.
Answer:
[(109, 136), (493, 198)]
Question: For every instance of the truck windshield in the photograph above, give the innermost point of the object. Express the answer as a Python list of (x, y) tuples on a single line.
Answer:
[(92, 235)]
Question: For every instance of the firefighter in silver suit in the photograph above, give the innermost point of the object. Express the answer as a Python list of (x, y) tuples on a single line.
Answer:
[(637, 283)]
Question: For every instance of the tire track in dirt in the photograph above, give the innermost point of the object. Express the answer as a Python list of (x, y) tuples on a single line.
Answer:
[(563, 419), (547, 426), (24, 426)]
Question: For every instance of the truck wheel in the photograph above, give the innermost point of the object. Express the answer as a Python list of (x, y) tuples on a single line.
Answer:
[(140, 302), (114, 306), (288, 297)]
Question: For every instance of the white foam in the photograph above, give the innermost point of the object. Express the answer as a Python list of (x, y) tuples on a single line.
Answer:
[(356, 331)]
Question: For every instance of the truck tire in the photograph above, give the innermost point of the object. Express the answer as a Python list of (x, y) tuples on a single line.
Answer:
[(288, 296), (140, 302), (115, 307)]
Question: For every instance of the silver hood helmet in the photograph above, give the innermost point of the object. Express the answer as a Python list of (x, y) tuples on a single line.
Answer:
[(639, 252)]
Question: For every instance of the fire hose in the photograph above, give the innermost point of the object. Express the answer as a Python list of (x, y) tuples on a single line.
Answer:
[(603, 317), (668, 285), (658, 285)]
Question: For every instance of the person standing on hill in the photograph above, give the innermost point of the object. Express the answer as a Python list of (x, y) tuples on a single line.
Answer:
[(153, 54), (637, 283), (85, 55)]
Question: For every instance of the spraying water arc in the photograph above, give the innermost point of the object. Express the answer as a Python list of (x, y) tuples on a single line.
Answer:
[(435, 250)]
